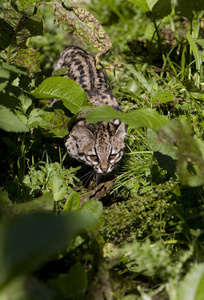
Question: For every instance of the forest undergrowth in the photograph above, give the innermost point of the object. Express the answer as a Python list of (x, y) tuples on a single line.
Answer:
[(139, 233)]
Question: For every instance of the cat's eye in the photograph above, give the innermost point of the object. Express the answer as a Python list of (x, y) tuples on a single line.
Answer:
[(94, 158), (112, 156)]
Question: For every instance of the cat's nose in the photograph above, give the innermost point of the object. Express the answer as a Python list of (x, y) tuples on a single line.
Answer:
[(104, 170)]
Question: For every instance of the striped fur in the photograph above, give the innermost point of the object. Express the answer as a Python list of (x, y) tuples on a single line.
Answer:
[(99, 145)]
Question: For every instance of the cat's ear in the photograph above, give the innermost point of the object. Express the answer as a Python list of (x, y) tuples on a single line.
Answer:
[(84, 132), (121, 131)]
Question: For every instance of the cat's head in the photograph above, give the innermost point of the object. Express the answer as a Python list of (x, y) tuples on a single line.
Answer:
[(98, 145)]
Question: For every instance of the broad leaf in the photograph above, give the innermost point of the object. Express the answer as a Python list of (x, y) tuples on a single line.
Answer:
[(42, 203), (24, 4), (71, 17), (191, 287), (10, 122), (156, 8), (58, 186), (146, 5), (36, 119), (187, 8), (74, 284), (92, 207), (6, 34), (189, 155), (164, 152), (58, 121), (9, 20), (29, 59), (29, 240), (70, 92), (162, 97), (15, 29), (144, 117), (158, 144), (24, 288), (27, 27), (12, 68), (73, 202), (4, 78)]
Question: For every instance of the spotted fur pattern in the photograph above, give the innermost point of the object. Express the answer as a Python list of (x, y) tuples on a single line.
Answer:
[(99, 145)]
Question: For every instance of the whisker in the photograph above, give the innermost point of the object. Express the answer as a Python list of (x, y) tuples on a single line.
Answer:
[(97, 178), (89, 178), (85, 175)]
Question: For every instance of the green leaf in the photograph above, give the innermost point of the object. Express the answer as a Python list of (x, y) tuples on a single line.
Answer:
[(70, 92), (71, 17), (191, 287), (190, 166), (25, 288), (196, 55), (140, 77), (4, 78), (187, 8), (160, 145), (162, 97), (61, 72), (93, 208), (25, 101), (29, 240), (24, 4), (144, 117), (200, 42), (10, 15), (75, 283), (8, 22), (35, 119), (161, 9), (12, 69), (15, 28), (28, 27), (157, 8), (164, 152), (10, 122), (4, 198), (15, 290), (6, 34), (42, 203), (59, 122), (11, 97), (146, 5), (146, 258), (58, 186), (73, 202), (29, 59), (80, 115)]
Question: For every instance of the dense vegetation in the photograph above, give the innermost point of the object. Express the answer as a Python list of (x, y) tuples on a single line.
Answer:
[(139, 233)]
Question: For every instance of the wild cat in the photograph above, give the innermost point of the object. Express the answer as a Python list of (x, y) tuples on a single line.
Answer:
[(100, 145)]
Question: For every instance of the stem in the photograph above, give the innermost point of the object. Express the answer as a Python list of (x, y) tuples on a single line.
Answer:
[(183, 61), (117, 12), (189, 49), (196, 105), (36, 8), (159, 40), (8, 54)]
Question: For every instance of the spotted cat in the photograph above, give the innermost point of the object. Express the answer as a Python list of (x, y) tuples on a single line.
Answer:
[(100, 145)]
